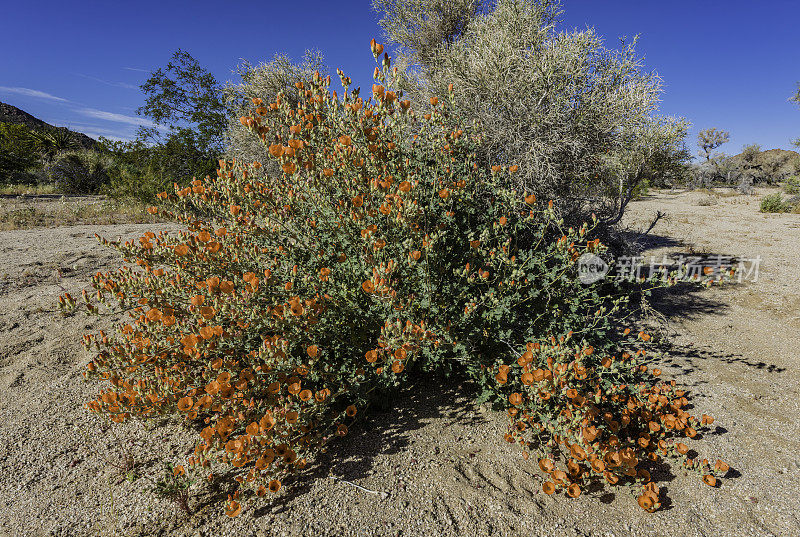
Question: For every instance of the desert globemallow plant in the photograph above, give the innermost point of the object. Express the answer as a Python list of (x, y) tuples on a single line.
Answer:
[(382, 247)]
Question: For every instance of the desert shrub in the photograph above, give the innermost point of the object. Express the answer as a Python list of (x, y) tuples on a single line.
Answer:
[(707, 201), (792, 185), (79, 172), (774, 203), (579, 118), (142, 170), (383, 247)]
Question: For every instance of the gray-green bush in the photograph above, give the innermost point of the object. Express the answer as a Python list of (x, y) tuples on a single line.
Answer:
[(579, 118)]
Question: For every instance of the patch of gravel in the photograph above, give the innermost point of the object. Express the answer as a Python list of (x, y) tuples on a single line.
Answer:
[(442, 461)]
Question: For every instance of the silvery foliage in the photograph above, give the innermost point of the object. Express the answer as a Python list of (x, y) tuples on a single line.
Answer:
[(263, 81), (579, 118)]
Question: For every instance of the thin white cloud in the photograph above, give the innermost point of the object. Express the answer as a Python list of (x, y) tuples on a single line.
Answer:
[(118, 118), (136, 69), (122, 132), (28, 92), (108, 83), (112, 137)]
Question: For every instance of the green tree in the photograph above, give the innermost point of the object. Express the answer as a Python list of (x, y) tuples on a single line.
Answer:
[(187, 99), (185, 102)]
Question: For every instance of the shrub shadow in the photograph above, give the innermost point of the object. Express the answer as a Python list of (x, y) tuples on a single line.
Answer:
[(687, 358), (382, 431)]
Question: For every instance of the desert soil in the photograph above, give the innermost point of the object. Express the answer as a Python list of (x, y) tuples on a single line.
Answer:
[(441, 461)]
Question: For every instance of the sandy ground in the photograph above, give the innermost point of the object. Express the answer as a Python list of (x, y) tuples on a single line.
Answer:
[(441, 460)]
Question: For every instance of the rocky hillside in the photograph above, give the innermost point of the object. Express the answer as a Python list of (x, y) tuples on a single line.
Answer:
[(12, 114)]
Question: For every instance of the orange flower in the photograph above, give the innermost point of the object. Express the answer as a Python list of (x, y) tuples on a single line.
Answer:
[(530, 199), (358, 201), (212, 387), (178, 470), (721, 466), (559, 476), (351, 411), (397, 367), (434, 101), (345, 140), (515, 399), (274, 485), (292, 416), (341, 430), (444, 193), (405, 186), (185, 404), (598, 465), (305, 395), (548, 487), (312, 351), (297, 308), (267, 422), (368, 286), (527, 379), (574, 490), (710, 480), (682, 448), (546, 465), (233, 509), (371, 356), (645, 502), (578, 452)]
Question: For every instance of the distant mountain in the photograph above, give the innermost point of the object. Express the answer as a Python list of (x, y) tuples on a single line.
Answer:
[(12, 114)]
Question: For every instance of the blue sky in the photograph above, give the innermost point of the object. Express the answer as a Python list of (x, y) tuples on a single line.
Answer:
[(729, 64)]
